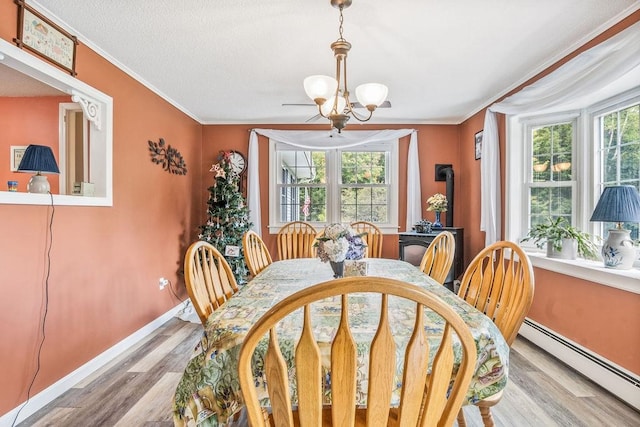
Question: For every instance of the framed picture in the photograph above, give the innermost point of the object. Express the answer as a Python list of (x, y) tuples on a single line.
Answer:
[(478, 145), (44, 38), (17, 151), (232, 251)]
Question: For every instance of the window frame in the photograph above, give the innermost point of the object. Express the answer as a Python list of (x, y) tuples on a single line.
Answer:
[(517, 160), (529, 124), (334, 184)]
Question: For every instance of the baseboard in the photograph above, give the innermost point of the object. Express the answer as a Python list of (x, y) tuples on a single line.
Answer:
[(621, 382), (47, 395)]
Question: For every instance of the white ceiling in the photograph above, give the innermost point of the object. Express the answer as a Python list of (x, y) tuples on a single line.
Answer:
[(238, 61)]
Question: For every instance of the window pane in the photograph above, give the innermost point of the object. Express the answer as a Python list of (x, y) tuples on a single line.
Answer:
[(364, 204), (302, 204), (304, 166), (620, 153), (629, 162), (299, 200), (552, 148), (549, 202), (360, 167), (629, 124)]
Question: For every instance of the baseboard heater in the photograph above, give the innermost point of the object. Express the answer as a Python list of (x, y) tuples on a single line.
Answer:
[(619, 381)]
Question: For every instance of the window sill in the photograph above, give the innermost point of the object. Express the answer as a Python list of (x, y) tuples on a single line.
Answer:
[(20, 198), (593, 271)]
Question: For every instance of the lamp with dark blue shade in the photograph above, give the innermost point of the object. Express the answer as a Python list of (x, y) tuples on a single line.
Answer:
[(38, 159), (619, 204)]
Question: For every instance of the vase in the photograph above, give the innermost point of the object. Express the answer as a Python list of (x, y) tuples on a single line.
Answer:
[(338, 269), (569, 249), (437, 223), (618, 251)]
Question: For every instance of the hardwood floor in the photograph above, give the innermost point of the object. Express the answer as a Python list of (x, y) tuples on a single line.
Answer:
[(136, 390)]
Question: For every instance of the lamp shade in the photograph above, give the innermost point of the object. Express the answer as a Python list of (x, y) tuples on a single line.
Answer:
[(371, 94), (618, 203), (38, 159), (320, 87)]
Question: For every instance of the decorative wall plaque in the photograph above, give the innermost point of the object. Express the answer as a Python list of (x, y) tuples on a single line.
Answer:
[(167, 156)]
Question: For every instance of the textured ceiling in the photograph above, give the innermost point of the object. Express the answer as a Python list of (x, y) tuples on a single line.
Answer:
[(239, 61)]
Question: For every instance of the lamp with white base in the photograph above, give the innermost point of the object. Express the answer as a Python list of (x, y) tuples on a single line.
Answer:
[(38, 159), (619, 204)]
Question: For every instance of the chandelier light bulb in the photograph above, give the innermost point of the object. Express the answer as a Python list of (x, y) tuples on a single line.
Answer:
[(320, 87)]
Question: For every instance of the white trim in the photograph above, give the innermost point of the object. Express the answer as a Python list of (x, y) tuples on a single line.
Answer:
[(592, 271), (101, 153), (47, 395), (620, 387)]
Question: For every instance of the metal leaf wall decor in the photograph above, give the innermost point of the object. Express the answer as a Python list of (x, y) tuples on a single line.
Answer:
[(167, 156)]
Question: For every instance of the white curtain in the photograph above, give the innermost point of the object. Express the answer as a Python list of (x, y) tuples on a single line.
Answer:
[(577, 79), (325, 139)]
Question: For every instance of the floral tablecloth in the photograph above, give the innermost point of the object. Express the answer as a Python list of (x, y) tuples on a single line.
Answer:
[(209, 391)]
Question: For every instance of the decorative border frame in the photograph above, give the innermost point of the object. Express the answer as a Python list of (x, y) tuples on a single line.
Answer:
[(17, 151), (478, 145), (44, 38)]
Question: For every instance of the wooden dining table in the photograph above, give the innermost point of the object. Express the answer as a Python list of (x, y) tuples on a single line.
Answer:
[(208, 393)]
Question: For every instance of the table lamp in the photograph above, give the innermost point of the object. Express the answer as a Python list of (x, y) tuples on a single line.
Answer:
[(619, 204), (38, 159)]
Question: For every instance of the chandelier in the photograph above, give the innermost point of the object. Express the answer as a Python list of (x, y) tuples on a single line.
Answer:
[(331, 95)]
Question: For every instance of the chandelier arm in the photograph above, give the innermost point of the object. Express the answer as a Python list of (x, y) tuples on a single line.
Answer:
[(320, 112), (359, 117)]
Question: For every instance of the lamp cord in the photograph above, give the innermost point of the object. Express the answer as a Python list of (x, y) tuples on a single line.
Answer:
[(44, 315)]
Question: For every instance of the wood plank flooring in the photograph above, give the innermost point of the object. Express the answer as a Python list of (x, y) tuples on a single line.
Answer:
[(136, 389)]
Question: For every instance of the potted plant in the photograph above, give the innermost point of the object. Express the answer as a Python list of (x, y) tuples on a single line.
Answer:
[(562, 239)]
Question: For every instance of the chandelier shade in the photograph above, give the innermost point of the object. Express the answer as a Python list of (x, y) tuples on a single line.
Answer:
[(331, 95), (320, 87), (371, 94)]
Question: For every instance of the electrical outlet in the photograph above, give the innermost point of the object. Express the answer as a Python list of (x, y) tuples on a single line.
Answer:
[(162, 283)]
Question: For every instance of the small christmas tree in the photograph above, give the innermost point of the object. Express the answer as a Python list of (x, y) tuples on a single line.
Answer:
[(228, 216)]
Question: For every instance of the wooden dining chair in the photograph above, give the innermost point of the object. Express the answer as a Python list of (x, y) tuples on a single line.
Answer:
[(373, 237), (499, 282), (256, 254), (208, 278), (438, 405), (295, 240), (438, 258)]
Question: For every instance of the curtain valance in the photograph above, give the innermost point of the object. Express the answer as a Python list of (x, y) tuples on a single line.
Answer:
[(330, 140), (590, 71)]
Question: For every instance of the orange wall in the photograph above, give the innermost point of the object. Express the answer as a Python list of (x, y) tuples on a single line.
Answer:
[(16, 118), (436, 144), (105, 261), (603, 319)]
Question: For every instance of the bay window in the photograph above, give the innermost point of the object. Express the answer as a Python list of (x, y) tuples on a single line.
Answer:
[(558, 163)]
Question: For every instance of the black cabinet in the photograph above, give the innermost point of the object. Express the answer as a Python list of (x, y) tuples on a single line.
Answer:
[(413, 246)]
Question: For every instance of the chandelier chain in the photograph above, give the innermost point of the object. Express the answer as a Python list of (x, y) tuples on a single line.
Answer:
[(341, 22)]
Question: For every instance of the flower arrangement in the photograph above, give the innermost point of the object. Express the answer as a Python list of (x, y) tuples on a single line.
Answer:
[(437, 203), (340, 242)]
